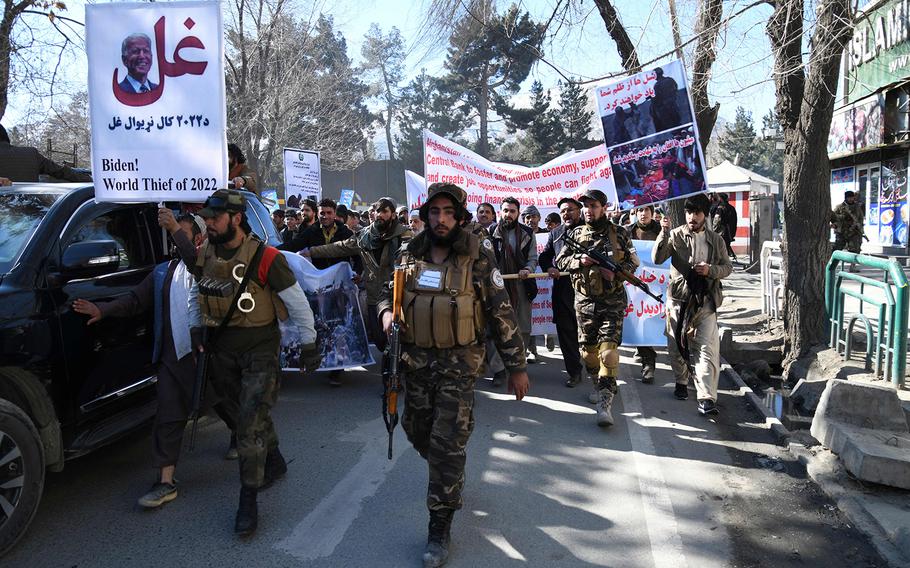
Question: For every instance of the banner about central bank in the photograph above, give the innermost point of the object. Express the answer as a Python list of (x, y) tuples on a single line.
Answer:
[(157, 101)]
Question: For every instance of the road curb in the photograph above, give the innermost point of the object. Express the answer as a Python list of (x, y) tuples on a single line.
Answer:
[(824, 469)]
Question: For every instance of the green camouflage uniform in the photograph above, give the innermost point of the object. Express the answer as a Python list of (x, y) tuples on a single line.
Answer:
[(439, 383), (848, 227), (600, 305)]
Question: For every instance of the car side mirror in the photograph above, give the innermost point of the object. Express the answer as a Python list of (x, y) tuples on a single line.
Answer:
[(88, 259)]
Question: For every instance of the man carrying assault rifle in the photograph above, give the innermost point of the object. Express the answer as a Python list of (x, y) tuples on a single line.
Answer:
[(450, 287)]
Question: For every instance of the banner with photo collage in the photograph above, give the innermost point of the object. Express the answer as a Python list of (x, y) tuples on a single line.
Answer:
[(651, 136)]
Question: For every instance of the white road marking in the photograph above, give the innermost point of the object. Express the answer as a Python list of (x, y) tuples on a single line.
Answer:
[(498, 540), (663, 532), (320, 532)]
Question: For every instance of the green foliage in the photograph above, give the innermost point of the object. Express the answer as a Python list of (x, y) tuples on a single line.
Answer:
[(423, 104), (487, 61), (575, 118), (738, 143), (770, 161)]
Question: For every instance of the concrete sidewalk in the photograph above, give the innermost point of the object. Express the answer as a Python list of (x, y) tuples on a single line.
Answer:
[(881, 512)]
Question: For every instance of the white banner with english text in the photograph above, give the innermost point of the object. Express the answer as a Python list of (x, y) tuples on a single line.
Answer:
[(416, 189), (157, 101), (569, 175)]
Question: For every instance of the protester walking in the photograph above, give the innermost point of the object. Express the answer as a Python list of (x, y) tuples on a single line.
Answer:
[(563, 294), (166, 291), (516, 253), (699, 261), (600, 297), (452, 277), (244, 339)]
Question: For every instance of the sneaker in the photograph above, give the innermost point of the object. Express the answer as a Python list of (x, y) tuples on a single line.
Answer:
[(647, 374), (605, 408), (681, 391), (158, 495), (573, 381), (551, 343), (232, 449), (707, 407), (531, 357)]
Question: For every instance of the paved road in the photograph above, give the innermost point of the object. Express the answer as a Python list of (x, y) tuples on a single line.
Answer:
[(664, 487)]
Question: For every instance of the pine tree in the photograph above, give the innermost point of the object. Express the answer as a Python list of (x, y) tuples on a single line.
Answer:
[(738, 143), (574, 118), (544, 131), (489, 57), (423, 105)]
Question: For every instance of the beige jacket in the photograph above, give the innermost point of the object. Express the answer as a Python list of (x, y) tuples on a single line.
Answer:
[(676, 245)]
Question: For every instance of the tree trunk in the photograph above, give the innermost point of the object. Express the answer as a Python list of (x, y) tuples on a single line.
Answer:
[(6, 29), (625, 47), (483, 103), (388, 132), (805, 104)]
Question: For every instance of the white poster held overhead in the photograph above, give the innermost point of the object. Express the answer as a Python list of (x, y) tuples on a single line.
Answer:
[(302, 175), (156, 95), (651, 135)]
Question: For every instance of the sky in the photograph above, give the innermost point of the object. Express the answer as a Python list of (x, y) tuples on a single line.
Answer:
[(580, 48)]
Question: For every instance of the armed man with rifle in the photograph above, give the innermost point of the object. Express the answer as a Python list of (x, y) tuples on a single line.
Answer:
[(245, 286), (167, 292), (847, 222), (699, 261), (451, 287), (599, 257)]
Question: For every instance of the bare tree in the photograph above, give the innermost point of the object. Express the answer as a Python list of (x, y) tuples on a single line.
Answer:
[(806, 89), (383, 56), (66, 132), (25, 43)]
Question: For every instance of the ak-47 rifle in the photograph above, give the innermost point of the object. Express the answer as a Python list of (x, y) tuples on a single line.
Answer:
[(391, 376), (604, 260), (199, 386)]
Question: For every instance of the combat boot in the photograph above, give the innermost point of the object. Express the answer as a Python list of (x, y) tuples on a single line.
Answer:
[(605, 408), (437, 551), (275, 468), (247, 512)]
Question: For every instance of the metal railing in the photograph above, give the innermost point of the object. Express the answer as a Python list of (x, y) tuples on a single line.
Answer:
[(772, 279), (887, 350)]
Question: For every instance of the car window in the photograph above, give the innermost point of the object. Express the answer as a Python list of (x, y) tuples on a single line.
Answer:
[(122, 227), (20, 215)]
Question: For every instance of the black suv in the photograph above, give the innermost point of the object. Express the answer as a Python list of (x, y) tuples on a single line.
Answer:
[(67, 388)]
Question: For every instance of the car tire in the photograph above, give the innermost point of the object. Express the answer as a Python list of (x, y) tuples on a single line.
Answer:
[(21, 473)]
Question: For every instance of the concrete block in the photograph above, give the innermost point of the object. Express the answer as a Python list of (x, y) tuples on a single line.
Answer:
[(857, 404), (806, 394), (829, 364), (877, 456)]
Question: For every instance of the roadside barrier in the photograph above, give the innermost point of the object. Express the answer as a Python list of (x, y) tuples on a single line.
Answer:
[(888, 349), (772, 279)]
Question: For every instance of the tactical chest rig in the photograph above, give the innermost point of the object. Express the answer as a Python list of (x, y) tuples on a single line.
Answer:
[(257, 307), (441, 307), (589, 281)]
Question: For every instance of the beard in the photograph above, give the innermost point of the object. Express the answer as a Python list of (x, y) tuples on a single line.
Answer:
[(383, 226), (508, 224), (225, 237), (447, 240)]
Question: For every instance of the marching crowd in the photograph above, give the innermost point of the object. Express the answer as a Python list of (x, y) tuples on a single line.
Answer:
[(468, 285)]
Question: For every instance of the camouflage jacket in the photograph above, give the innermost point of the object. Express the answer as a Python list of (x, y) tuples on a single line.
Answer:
[(608, 237), (377, 268), (848, 219), (489, 286)]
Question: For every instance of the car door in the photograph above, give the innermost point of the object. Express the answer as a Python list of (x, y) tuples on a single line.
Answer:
[(109, 362)]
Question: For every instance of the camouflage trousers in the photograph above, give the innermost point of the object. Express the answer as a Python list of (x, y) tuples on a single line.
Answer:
[(851, 243), (439, 416), (600, 322), (248, 382)]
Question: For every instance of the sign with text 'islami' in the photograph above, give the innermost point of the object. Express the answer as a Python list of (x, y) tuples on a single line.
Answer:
[(156, 94)]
